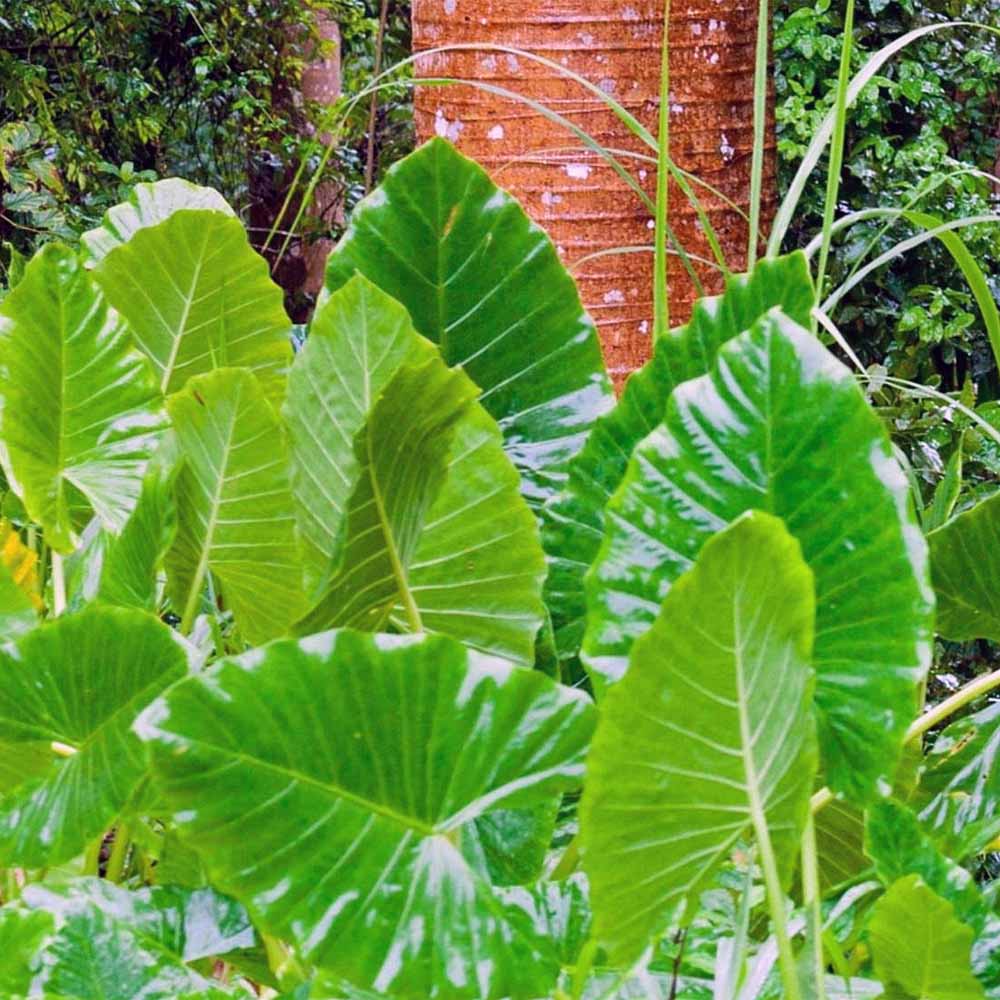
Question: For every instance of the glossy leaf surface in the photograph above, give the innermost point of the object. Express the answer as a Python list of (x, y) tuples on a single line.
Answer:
[(114, 945), (920, 947), (425, 504), (234, 505), (149, 205), (574, 521), (357, 342), (960, 787), (198, 297), (124, 569), (399, 742), (79, 681), (708, 738), (101, 416), (23, 934), (900, 848), (965, 566), (486, 285), (780, 425)]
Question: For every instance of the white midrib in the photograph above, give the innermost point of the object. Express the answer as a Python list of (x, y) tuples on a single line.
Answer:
[(199, 575), (758, 814), (168, 368)]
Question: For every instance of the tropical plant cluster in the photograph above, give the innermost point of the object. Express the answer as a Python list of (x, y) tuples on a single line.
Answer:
[(411, 664)]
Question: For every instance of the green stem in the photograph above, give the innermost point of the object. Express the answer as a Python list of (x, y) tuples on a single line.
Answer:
[(568, 863), (759, 127), (92, 858), (776, 906), (58, 584), (836, 152), (194, 597), (584, 964), (811, 894), (931, 718), (661, 296), (119, 854), (970, 693)]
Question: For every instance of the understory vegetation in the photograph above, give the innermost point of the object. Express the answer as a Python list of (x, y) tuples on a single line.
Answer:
[(396, 657)]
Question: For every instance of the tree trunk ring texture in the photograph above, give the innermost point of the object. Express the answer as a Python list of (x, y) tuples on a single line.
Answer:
[(571, 192)]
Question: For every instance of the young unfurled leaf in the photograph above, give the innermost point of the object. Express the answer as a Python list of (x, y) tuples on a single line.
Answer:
[(196, 295), (487, 286), (395, 461), (708, 740), (78, 682), (574, 521), (780, 425), (920, 949), (80, 414), (343, 839), (965, 566), (234, 505)]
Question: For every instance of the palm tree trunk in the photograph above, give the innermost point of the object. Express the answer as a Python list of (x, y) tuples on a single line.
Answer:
[(583, 204)]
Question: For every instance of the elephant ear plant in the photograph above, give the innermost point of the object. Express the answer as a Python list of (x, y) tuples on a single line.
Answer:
[(411, 665)]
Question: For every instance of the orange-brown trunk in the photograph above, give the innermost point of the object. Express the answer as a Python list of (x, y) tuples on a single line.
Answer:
[(574, 194)]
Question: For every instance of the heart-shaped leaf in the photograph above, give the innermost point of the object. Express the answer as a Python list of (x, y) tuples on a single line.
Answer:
[(102, 416), (198, 297), (900, 848), (965, 566), (148, 205), (709, 738), (920, 948), (780, 425), (344, 837), (442, 541), (486, 285), (234, 505), (79, 682), (574, 521)]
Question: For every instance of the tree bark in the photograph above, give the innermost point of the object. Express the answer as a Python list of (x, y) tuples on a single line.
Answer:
[(583, 204)]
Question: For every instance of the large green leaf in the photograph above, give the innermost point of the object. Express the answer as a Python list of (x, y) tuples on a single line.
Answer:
[(486, 285), (80, 413), (708, 739), (920, 949), (435, 532), (780, 425), (123, 569), (114, 945), (899, 847), (357, 342), (78, 681), (23, 934), (574, 521), (198, 297), (343, 837), (148, 205), (960, 787), (234, 505), (965, 566), (192, 924)]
